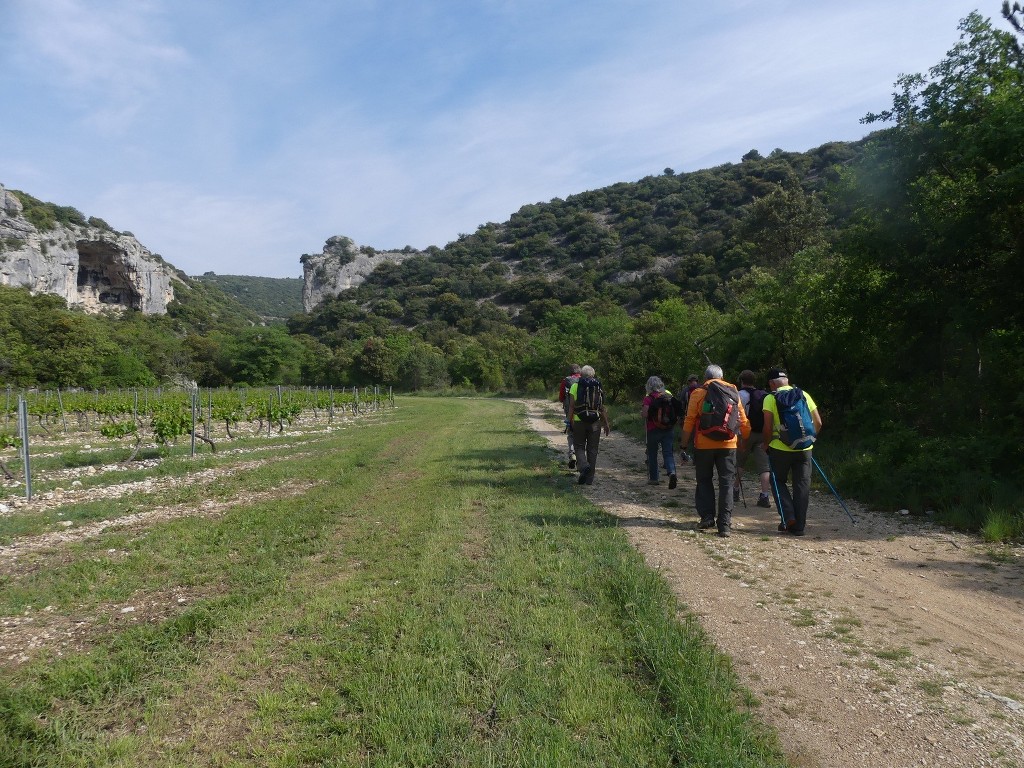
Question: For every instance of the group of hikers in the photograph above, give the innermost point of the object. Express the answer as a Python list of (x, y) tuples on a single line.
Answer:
[(727, 425)]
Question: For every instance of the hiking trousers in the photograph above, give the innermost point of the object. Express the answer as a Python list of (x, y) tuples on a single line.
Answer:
[(663, 439), (586, 439), (793, 504), (705, 462), (569, 438)]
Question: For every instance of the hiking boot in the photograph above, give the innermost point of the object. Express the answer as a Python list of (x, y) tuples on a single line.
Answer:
[(705, 524), (583, 476), (572, 463), (735, 495), (654, 482), (796, 532), (671, 482), (762, 501), (723, 533)]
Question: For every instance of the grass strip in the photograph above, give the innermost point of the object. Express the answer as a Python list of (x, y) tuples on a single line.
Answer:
[(444, 596)]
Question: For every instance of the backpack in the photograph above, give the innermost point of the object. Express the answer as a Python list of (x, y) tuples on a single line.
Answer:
[(796, 426), (589, 400), (664, 411), (719, 413), (755, 413), (563, 390)]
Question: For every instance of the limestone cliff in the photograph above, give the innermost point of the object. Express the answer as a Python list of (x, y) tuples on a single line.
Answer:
[(91, 267), (342, 265)]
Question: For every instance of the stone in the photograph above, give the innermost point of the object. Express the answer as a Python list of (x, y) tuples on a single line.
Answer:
[(90, 267), (341, 266)]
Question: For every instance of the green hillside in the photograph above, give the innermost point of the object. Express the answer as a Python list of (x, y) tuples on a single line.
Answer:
[(272, 298)]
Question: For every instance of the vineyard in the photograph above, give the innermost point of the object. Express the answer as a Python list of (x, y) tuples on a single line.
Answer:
[(130, 425)]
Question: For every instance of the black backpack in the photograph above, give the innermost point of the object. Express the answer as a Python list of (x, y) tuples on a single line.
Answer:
[(589, 400), (665, 411), (756, 410), (719, 413)]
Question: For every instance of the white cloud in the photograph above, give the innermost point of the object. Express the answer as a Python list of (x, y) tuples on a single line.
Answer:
[(107, 57)]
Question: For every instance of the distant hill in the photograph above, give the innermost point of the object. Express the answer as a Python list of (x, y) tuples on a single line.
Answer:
[(272, 298), (631, 244)]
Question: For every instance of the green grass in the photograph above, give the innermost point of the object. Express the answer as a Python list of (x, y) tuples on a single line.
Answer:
[(439, 594)]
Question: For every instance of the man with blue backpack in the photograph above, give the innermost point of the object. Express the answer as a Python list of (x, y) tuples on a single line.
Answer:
[(791, 425)]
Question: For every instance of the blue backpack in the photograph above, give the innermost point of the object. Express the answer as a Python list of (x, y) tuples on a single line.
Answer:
[(796, 426)]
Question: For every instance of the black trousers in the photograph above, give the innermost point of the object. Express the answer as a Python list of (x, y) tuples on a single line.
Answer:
[(705, 462), (793, 503)]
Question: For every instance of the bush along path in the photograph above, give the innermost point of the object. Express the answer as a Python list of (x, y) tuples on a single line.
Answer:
[(889, 642)]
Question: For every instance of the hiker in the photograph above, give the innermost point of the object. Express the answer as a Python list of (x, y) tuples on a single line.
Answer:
[(660, 412), (786, 411), (587, 415), (752, 399), (717, 421), (691, 384), (563, 398)]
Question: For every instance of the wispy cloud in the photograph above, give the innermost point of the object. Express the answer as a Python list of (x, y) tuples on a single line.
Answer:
[(107, 57)]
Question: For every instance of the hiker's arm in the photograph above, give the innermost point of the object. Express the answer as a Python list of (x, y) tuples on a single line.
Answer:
[(816, 418), (572, 408), (769, 425), (604, 419)]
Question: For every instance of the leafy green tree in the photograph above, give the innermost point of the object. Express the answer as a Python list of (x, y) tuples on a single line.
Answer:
[(378, 362), (263, 356)]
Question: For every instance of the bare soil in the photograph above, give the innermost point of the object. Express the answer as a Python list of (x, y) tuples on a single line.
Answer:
[(886, 642)]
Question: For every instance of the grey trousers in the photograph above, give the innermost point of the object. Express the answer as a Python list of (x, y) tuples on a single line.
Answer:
[(586, 439)]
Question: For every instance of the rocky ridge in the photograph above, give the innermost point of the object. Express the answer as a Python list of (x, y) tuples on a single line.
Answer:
[(342, 265), (90, 267)]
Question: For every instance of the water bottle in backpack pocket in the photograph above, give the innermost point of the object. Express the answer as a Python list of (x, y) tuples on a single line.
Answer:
[(796, 425)]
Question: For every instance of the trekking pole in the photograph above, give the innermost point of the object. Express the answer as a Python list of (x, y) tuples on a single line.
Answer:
[(834, 491), (775, 492), (743, 496)]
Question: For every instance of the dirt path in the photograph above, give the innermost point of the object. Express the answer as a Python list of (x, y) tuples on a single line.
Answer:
[(888, 643)]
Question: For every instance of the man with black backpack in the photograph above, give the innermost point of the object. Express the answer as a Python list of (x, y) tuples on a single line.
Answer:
[(714, 413), (791, 425), (752, 400), (660, 411), (587, 415)]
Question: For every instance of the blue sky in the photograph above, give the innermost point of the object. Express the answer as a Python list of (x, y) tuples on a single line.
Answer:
[(236, 135)]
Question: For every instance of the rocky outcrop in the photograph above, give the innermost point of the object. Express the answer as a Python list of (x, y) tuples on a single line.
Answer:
[(91, 267), (342, 265)]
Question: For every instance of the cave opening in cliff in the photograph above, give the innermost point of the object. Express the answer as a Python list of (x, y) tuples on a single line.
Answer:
[(103, 278)]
